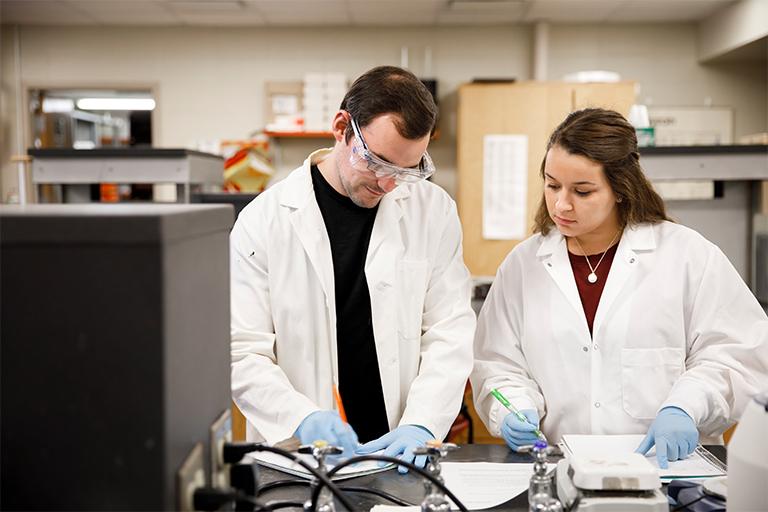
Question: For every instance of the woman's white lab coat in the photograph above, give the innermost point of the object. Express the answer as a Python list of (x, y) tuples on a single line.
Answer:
[(284, 318), (675, 326)]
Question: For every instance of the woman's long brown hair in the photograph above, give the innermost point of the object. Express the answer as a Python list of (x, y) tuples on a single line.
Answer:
[(605, 137)]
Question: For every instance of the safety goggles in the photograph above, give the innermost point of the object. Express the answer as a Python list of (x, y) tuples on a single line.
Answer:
[(361, 155)]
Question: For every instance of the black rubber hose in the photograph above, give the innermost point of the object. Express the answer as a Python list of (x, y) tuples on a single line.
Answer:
[(278, 484), (394, 460), (324, 479)]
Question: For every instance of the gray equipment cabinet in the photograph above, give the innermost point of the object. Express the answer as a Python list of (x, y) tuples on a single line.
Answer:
[(73, 171), (114, 350), (731, 219)]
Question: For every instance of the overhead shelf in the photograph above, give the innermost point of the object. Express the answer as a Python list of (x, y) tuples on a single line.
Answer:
[(77, 169), (298, 135), (726, 162)]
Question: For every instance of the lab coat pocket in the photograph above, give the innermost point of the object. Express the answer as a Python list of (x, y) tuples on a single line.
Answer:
[(647, 376), (412, 285)]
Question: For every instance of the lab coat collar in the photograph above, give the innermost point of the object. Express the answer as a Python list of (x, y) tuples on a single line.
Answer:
[(554, 255), (298, 190), (550, 242), (640, 237)]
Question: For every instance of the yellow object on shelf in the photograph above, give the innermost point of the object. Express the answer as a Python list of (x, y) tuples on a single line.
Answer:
[(247, 171)]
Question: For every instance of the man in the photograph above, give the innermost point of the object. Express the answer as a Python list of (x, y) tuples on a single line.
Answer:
[(348, 275)]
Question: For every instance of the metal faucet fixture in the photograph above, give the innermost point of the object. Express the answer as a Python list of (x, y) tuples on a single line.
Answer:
[(435, 500)]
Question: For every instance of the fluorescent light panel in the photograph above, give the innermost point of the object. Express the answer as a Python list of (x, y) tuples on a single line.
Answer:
[(116, 104), (58, 105)]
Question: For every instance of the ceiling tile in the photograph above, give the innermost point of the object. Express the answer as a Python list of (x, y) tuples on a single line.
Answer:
[(394, 19), (41, 12), (303, 12), (222, 20), (204, 5), (481, 12), (211, 5), (351, 12), (215, 13), (393, 12), (126, 12), (571, 11)]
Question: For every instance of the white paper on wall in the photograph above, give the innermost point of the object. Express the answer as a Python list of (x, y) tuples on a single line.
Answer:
[(285, 104), (505, 186)]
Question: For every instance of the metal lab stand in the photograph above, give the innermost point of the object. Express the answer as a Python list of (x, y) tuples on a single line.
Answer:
[(73, 171)]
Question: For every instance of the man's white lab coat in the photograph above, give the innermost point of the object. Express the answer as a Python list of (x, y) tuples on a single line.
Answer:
[(675, 326), (283, 307)]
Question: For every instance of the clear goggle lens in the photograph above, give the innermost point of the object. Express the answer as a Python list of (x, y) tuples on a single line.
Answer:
[(363, 159)]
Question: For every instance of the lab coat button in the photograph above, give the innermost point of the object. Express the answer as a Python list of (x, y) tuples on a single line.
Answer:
[(585, 349), (594, 347), (549, 265), (597, 404), (632, 260)]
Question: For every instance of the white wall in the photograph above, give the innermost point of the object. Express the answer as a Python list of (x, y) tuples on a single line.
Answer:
[(663, 59), (209, 81)]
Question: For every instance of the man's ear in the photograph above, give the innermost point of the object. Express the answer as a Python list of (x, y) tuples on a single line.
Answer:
[(339, 125)]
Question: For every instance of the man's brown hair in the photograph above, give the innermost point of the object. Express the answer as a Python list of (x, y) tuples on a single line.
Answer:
[(391, 90)]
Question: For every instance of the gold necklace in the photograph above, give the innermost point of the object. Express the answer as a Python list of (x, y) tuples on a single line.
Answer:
[(592, 277)]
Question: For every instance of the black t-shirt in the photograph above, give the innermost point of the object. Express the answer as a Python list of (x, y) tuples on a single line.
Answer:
[(349, 229)]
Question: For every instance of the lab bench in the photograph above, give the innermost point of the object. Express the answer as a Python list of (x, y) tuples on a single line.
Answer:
[(409, 487)]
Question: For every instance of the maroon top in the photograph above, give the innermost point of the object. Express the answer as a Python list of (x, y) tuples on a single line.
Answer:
[(590, 292)]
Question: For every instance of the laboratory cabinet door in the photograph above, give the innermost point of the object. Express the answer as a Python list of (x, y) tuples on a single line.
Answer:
[(532, 109)]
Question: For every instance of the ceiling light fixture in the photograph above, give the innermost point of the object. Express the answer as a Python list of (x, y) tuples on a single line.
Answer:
[(51, 105), (483, 5), (116, 104), (470, 2)]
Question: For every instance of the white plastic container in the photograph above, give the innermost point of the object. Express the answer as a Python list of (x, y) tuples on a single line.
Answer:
[(748, 459)]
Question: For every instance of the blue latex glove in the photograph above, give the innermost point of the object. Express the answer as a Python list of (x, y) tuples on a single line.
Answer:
[(675, 435), (519, 433), (400, 443), (328, 426)]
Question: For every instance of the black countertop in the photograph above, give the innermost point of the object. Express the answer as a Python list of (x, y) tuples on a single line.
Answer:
[(725, 149), (410, 487)]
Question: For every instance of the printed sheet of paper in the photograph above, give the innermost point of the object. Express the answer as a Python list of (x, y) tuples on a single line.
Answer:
[(505, 186), (699, 464), (280, 463), (481, 485)]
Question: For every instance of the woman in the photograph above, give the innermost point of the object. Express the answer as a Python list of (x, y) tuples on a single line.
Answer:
[(611, 319)]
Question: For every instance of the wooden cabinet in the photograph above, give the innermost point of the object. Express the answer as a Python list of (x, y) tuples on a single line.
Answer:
[(530, 108)]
